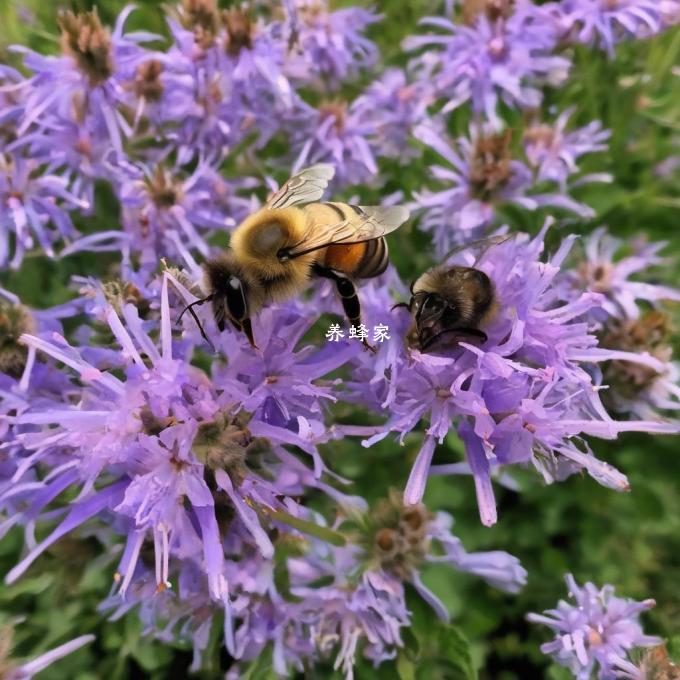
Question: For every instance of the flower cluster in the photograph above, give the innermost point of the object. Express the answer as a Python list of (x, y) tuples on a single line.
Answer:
[(596, 632), (480, 174), (211, 479), (364, 600), (194, 473), (528, 395), (634, 317)]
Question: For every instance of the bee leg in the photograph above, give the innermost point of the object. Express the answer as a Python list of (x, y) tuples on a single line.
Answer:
[(238, 308), (248, 330), (405, 305), (190, 309), (348, 297), (474, 332)]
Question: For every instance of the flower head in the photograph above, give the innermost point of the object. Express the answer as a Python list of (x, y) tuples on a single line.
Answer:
[(88, 43), (34, 209), (604, 271), (634, 388), (168, 212), (553, 151), (393, 107), (633, 319), (335, 133), (179, 462), (525, 394), (363, 606), (594, 632), (84, 85), (607, 22), (493, 60), (368, 614), (229, 67), (327, 48), (480, 174)]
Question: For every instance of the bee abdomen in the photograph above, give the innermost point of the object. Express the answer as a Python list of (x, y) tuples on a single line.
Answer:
[(374, 261)]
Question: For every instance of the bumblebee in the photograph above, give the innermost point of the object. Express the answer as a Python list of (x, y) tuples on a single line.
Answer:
[(450, 303), (275, 252)]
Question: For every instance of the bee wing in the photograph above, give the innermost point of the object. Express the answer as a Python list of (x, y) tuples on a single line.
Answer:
[(305, 187), (487, 242), (365, 224)]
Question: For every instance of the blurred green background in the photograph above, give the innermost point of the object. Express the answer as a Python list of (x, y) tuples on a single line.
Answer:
[(630, 540)]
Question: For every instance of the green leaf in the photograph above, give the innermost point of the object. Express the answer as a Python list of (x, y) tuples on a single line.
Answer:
[(27, 586), (261, 668), (406, 668), (320, 532), (455, 646)]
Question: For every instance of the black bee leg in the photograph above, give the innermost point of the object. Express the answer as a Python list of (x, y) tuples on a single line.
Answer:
[(405, 305), (190, 309), (348, 297), (425, 345), (248, 330), (475, 333), (237, 307)]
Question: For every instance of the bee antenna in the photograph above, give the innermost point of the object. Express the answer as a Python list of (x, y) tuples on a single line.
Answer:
[(400, 304), (190, 308)]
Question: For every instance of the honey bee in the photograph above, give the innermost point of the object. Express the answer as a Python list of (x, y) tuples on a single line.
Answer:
[(451, 302), (274, 252)]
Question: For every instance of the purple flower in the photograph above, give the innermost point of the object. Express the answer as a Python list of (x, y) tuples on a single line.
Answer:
[(167, 212), (623, 324), (493, 60), (607, 22), (34, 209), (327, 48), (231, 67), (161, 432), (479, 174), (596, 631), (334, 133), (363, 606), (25, 671), (75, 153), (393, 107), (282, 382), (369, 616), (527, 394), (187, 467), (553, 152), (85, 84), (641, 390), (400, 538), (603, 271)]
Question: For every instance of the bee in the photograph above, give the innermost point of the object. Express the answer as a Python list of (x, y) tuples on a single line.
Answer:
[(275, 252), (451, 302)]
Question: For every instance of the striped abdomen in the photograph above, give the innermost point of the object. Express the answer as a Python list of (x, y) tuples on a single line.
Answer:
[(358, 260), (361, 260)]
